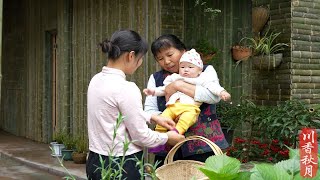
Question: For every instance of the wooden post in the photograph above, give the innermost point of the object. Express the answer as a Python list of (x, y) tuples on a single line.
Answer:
[(1, 9)]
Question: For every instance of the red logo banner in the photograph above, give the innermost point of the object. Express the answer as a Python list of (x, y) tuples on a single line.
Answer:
[(308, 153)]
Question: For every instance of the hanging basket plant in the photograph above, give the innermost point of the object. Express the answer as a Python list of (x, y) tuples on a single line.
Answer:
[(241, 53), (207, 57), (267, 62), (206, 51), (266, 53)]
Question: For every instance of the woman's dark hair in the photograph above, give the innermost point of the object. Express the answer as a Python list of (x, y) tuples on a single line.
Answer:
[(166, 41), (124, 41)]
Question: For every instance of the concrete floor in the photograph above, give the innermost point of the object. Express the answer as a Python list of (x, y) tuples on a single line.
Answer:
[(10, 169), (21, 158), (27, 153)]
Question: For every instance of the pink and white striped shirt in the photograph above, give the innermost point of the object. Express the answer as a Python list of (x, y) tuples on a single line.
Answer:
[(108, 94)]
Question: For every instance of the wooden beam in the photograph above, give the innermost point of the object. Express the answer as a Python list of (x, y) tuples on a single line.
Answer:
[(1, 9)]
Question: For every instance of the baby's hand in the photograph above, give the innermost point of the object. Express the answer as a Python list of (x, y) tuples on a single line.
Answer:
[(225, 96), (148, 92)]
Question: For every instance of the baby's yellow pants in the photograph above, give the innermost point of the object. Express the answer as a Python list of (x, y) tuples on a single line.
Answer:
[(188, 116)]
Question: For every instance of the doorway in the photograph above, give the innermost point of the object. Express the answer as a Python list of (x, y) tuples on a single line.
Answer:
[(50, 71)]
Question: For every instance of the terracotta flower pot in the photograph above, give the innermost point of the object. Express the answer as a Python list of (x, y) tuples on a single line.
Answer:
[(207, 57), (241, 53)]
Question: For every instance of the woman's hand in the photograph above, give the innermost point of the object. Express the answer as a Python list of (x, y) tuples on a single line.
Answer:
[(181, 86), (174, 138), (163, 121), (171, 89)]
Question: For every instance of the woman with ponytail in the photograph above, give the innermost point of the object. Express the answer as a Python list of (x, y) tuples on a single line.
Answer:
[(110, 94)]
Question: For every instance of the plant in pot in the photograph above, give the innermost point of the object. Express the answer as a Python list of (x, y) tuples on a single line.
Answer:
[(68, 142), (57, 144), (80, 153), (241, 52), (207, 51), (266, 52)]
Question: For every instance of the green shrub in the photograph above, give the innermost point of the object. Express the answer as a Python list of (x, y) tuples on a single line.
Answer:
[(273, 127), (59, 137), (81, 145), (69, 142)]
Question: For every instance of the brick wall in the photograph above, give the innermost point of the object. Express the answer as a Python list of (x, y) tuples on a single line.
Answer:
[(172, 17), (298, 76), (269, 87), (305, 42)]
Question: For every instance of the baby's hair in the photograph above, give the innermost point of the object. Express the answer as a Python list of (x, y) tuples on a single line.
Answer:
[(124, 41)]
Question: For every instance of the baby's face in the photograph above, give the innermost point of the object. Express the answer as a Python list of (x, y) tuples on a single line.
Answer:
[(189, 70)]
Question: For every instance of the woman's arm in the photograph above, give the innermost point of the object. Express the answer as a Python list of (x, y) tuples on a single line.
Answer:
[(199, 93), (135, 119), (210, 82), (180, 85)]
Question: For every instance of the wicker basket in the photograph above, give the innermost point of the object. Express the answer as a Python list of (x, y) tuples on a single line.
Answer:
[(184, 169), (260, 16)]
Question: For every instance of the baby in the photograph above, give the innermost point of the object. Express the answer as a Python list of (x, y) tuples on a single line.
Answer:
[(180, 104)]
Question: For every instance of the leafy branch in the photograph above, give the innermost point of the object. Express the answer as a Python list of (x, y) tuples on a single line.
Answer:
[(207, 10)]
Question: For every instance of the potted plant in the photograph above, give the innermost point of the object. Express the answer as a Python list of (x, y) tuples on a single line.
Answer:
[(68, 142), (241, 52), (266, 53), (80, 153), (57, 144), (206, 51)]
